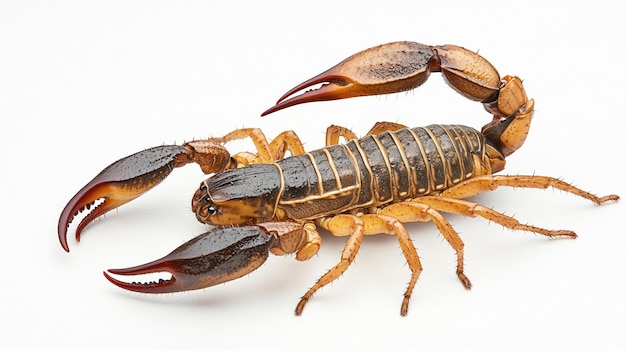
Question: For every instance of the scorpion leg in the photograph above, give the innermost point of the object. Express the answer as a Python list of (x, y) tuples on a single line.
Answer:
[(478, 185), (311, 244), (428, 208), (266, 152), (472, 209), (417, 212), (334, 132), (376, 224), (356, 227), (340, 225), (380, 127), (287, 141)]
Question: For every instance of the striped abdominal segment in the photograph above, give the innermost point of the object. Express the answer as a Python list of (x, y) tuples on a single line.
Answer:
[(379, 169)]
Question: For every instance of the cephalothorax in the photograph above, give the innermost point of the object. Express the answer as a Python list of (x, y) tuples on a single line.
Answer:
[(265, 202)]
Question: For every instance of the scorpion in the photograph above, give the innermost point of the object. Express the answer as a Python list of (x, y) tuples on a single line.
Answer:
[(264, 202)]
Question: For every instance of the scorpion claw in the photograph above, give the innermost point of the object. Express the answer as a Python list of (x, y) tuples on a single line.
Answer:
[(209, 259), (383, 69), (334, 86), (119, 183), (396, 67)]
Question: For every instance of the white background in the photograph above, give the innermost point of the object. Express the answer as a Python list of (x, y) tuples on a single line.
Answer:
[(83, 84)]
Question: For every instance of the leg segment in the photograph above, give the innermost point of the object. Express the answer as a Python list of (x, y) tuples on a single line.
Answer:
[(380, 127), (287, 140), (419, 212), (356, 227), (340, 225), (312, 244), (472, 209), (333, 132), (266, 152), (478, 185), (375, 224)]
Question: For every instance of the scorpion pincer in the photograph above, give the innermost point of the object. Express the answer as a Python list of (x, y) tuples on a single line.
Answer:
[(214, 257), (263, 202)]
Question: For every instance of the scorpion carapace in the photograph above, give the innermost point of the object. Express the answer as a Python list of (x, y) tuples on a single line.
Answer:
[(264, 202)]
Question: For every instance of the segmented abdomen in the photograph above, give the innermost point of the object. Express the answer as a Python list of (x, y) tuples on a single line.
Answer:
[(379, 169)]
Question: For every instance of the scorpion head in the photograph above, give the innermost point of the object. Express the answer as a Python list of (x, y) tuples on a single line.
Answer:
[(236, 196)]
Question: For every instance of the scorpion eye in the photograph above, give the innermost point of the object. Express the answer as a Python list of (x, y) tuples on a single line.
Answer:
[(212, 210)]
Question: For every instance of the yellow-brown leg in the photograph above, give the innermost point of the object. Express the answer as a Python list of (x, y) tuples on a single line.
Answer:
[(299, 238), (312, 243), (478, 185), (333, 132), (376, 224), (419, 212), (340, 225), (380, 127), (431, 206), (286, 141), (472, 209), (356, 227), (266, 152)]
